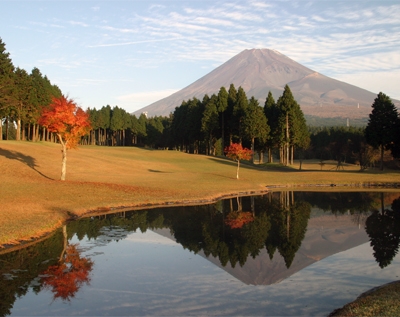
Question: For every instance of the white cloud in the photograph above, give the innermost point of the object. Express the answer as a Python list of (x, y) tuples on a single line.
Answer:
[(78, 23), (121, 30), (146, 97)]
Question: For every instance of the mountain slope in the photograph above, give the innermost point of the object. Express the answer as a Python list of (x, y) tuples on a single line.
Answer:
[(326, 235), (259, 71)]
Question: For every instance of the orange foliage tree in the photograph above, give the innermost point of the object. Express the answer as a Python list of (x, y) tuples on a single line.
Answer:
[(68, 121), (237, 219), (65, 278), (236, 152)]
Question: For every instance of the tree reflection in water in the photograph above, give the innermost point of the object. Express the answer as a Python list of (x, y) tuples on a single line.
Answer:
[(383, 228), (278, 225), (65, 278)]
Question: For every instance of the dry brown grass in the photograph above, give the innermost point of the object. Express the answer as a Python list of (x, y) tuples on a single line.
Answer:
[(34, 201)]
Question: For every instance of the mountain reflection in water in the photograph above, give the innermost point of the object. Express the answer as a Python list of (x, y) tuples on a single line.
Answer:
[(260, 240)]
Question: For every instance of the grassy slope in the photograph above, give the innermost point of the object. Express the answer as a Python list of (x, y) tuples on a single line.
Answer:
[(34, 201)]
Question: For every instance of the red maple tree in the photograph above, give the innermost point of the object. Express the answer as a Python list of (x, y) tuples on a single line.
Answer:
[(236, 152), (237, 219), (68, 121), (65, 278)]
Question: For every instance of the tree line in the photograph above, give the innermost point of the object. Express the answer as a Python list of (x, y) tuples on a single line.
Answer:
[(23, 95), (207, 126)]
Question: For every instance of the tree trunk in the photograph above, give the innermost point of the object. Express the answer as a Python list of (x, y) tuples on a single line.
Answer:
[(223, 132), (252, 150), (382, 152), (65, 242), (287, 140), (64, 158), (6, 129), (28, 134), (261, 157), (237, 170), (18, 136), (23, 137), (291, 155)]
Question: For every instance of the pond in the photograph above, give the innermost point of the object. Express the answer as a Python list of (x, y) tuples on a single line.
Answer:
[(280, 254)]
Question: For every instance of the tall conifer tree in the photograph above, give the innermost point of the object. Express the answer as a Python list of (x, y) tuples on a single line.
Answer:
[(381, 129)]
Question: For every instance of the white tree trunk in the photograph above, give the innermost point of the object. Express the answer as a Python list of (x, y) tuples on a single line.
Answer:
[(64, 158)]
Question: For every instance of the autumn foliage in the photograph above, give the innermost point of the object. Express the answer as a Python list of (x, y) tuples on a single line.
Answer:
[(68, 121), (65, 278), (237, 219), (236, 152)]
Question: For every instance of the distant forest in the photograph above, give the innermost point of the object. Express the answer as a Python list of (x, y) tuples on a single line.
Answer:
[(277, 130)]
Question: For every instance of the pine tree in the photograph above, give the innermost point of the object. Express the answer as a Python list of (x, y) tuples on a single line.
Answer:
[(222, 106), (232, 94), (285, 104), (23, 83), (239, 112), (255, 123), (381, 129), (271, 113), (209, 122), (7, 85)]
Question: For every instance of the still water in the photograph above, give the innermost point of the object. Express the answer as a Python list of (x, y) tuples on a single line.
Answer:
[(280, 254)]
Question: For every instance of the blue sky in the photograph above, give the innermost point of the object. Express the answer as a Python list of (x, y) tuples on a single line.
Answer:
[(132, 53)]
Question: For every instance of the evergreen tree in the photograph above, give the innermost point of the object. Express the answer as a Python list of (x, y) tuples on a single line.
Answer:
[(7, 85), (141, 129), (396, 145), (239, 112), (40, 98), (286, 105), (209, 123), (299, 135), (232, 94), (381, 129), (255, 123), (180, 126), (117, 125), (23, 85), (222, 106), (271, 113), (154, 130)]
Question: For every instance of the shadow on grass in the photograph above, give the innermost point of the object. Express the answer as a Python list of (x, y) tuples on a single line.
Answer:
[(157, 171), (259, 167), (277, 167), (25, 159)]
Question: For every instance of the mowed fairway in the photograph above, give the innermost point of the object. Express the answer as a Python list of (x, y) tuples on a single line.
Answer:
[(34, 201)]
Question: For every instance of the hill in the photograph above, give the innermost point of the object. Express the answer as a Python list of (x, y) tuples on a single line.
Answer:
[(259, 71)]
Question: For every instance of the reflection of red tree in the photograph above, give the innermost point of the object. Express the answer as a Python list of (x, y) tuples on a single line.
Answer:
[(65, 278), (237, 219)]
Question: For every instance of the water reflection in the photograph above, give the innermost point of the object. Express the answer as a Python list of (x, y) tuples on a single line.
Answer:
[(259, 239), (383, 229), (66, 277)]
